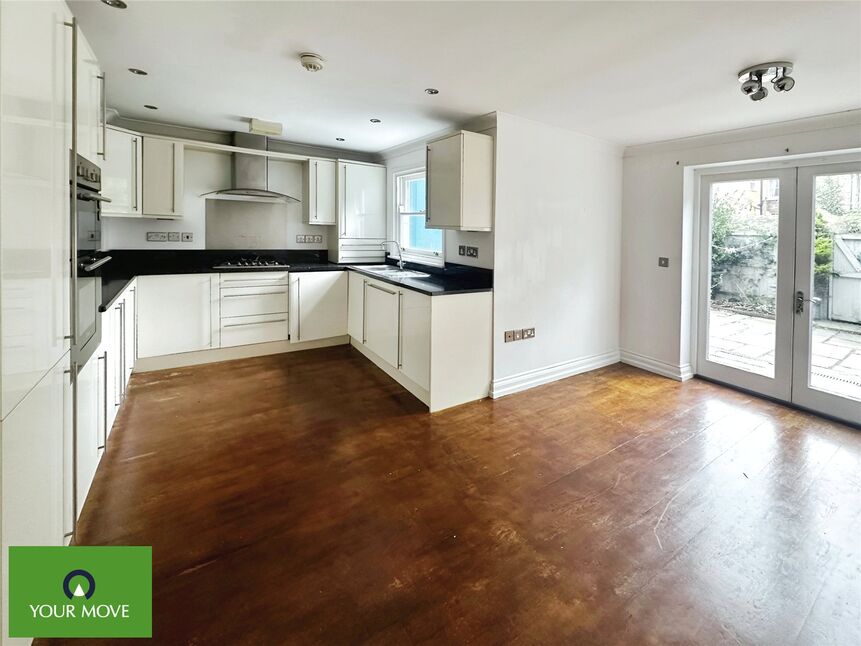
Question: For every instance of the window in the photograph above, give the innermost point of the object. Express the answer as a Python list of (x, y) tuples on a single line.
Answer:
[(418, 243)]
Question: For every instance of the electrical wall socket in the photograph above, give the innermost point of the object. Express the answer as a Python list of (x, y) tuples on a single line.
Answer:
[(663, 262), (187, 237), (519, 335), (318, 238), (300, 239), (461, 250), (156, 236), (472, 252), (174, 236)]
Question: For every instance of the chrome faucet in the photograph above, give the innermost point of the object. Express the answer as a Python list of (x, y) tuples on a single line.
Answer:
[(400, 252)]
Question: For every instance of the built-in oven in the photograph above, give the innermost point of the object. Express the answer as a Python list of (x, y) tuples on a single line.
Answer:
[(88, 258)]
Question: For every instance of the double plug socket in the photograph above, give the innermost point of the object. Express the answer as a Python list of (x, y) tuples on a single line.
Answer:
[(519, 335)]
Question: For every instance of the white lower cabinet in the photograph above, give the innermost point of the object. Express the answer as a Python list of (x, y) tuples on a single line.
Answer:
[(261, 328), (177, 313), (319, 305), (88, 439), (254, 308), (382, 322), (416, 336), (438, 348)]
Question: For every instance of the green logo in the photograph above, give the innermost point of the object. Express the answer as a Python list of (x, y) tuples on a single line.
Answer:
[(80, 592)]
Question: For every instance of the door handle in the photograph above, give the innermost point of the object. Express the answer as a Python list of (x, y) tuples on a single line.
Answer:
[(800, 301)]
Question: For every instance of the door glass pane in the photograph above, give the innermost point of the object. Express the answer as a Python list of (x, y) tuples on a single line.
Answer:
[(743, 274), (835, 348)]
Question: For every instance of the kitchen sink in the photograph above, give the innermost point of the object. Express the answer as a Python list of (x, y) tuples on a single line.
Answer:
[(393, 271)]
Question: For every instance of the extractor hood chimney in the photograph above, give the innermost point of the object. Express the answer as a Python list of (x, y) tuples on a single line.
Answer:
[(250, 175)]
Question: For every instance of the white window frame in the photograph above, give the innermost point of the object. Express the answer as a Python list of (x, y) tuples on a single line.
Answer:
[(412, 255)]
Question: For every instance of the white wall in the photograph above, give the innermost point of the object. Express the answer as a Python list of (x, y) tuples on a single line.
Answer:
[(414, 157), (657, 221), (557, 234), (209, 171)]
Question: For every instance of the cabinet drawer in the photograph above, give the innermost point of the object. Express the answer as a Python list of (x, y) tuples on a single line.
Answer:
[(243, 330), (247, 301), (253, 278)]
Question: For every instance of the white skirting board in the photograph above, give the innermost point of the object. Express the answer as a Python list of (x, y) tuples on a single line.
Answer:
[(540, 376), (169, 361), (679, 373)]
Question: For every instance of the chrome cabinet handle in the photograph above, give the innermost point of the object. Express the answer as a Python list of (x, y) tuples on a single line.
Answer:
[(298, 310), (97, 264), (104, 438), (316, 189), (104, 84), (254, 323), (73, 216), (427, 184), (256, 294), (390, 293), (135, 173), (344, 220)]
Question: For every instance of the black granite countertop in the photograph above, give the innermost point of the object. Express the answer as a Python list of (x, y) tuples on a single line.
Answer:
[(127, 264)]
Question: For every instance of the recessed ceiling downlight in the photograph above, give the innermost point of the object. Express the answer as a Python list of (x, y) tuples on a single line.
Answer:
[(339, 139), (138, 72), (151, 107), (375, 121), (431, 90), (116, 4), (311, 62)]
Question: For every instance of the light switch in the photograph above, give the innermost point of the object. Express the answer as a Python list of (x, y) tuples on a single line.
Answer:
[(663, 262)]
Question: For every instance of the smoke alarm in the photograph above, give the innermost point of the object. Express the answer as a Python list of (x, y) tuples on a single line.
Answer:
[(311, 62)]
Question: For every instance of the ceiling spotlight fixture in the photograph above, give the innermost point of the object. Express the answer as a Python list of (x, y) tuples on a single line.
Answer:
[(311, 62), (135, 70), (339, 139), (375, 121), (151, 107), (431, 90), (116, 4), (752, 79)]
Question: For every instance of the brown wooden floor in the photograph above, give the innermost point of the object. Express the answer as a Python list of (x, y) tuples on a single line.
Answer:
[(306, 498)]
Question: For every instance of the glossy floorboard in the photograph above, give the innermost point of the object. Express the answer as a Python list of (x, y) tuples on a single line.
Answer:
[(306, 498)]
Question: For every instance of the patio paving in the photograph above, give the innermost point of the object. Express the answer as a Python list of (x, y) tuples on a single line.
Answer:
[(747, 342)]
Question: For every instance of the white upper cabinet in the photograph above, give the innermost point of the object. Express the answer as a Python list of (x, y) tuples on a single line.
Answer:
[(35, 131), (320, 205), (162, 178), (177, 313), (361, 200), (318, 305), (460, 182), (90, 103), (122, 170)]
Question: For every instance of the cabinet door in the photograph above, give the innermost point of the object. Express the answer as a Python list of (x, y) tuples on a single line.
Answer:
[(363, 201), (355, 306), (325, 192), (319, 305), (382, 321), (32, 464), (175, 313), (129, 333), (162, 177), (121, 171), (35, 131), (415, 337), (444, 165), (111, 367), (89, 435), (89, 102)]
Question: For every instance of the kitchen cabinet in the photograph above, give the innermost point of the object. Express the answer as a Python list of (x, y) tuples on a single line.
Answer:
[(91, 113), (89, 393), (460, 182), (415, 341), (177, 313), (318, 305), (421, 341), (254, 308), (382, 322), (162, 178), (320, 205), (122, 172), (361, 208), (35, 131)]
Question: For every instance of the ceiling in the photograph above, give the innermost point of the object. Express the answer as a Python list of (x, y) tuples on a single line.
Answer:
[(628, 72)]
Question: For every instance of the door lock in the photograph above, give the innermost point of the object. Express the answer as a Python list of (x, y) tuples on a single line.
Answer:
[(800, 301)]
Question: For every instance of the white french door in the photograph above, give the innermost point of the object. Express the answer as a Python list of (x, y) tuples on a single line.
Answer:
[(779, 309)]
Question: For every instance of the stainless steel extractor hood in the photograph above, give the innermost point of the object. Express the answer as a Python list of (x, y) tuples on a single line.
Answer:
[(250, 175)]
